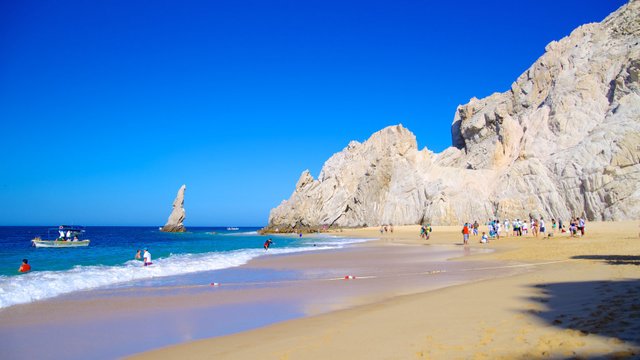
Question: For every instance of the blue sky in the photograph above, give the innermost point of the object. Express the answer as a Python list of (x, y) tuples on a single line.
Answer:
[(107, 107)]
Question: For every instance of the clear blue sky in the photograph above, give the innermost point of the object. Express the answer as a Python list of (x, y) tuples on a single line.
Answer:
[(107, 107)]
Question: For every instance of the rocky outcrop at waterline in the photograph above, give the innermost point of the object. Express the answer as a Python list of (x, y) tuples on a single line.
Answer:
[(563, 141), (176, 219)]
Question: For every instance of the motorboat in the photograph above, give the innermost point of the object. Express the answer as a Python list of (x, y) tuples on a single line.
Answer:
[(68, 236)]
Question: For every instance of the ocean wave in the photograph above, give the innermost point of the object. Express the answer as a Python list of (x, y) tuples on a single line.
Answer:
[(242, 233), (337, 240), (40, 285)]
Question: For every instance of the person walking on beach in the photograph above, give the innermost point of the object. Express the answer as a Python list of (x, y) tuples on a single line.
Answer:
[(581, 224), (465, 233), (147, 257), (25, 267), (543, 229), (475, 227), (267, 244)]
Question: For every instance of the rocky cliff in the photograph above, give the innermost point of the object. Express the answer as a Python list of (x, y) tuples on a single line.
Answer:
[(174, 223), (563, 141)]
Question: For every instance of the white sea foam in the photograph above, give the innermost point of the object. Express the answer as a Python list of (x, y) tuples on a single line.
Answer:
[(244, 233), (332, 240), (39, 285)]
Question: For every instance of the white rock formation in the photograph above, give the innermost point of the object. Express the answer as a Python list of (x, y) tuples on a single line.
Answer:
[(174, 223), (563, 141)]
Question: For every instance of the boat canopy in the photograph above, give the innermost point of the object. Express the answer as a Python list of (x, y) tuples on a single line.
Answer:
[(72, 228)]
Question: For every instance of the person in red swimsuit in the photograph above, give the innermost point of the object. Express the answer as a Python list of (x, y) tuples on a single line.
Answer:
[(25, 267)]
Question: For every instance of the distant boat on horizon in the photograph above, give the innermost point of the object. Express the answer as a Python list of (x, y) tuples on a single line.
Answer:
[(233, 229)]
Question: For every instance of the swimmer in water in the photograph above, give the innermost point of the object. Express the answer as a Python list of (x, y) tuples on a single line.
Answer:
[(25, 267)]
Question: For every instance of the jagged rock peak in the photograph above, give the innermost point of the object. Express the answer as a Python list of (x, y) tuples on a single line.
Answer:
[(393, 139), (177, 216), (305, 179)]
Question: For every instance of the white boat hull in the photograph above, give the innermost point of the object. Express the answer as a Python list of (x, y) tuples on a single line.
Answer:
[(59, 244)]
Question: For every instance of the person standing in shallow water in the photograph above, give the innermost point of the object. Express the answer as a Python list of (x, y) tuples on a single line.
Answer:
[(465, 233), (147, 257), (267, 244)]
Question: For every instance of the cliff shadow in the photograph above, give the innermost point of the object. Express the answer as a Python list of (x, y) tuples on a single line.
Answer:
[(612, 259), (603, 308)]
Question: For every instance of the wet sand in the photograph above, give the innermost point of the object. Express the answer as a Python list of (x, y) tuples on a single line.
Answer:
[(578, 298), (115, 322)]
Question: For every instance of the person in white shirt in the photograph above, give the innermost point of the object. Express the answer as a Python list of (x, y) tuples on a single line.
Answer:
[(484, 238), (581, 224), (542, 228), (147, 257)]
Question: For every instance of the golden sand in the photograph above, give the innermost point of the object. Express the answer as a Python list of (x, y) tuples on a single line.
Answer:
[(581, 299)]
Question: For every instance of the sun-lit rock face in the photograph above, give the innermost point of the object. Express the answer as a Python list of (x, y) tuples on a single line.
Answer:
[(563, 141), (174, 223)]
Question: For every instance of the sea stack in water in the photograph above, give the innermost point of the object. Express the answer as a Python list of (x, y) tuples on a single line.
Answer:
[(174, 224), (564, 141)]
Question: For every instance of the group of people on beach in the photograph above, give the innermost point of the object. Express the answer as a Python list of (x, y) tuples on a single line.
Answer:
[(386, 228), (536, 227), (425, 231)]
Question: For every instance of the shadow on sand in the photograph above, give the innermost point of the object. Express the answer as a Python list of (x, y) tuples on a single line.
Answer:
[(603, 308), (612, 259)]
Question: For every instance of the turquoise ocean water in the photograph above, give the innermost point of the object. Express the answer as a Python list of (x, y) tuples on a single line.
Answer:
[(109, 259)]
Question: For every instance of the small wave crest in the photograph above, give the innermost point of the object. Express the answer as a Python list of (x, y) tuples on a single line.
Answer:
[(235, 233)]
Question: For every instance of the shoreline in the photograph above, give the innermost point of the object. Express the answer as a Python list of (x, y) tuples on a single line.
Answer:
[(580, 301), (396, 307)]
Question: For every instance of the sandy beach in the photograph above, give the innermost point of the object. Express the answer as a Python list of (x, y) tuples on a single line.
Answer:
[(577, 298)]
